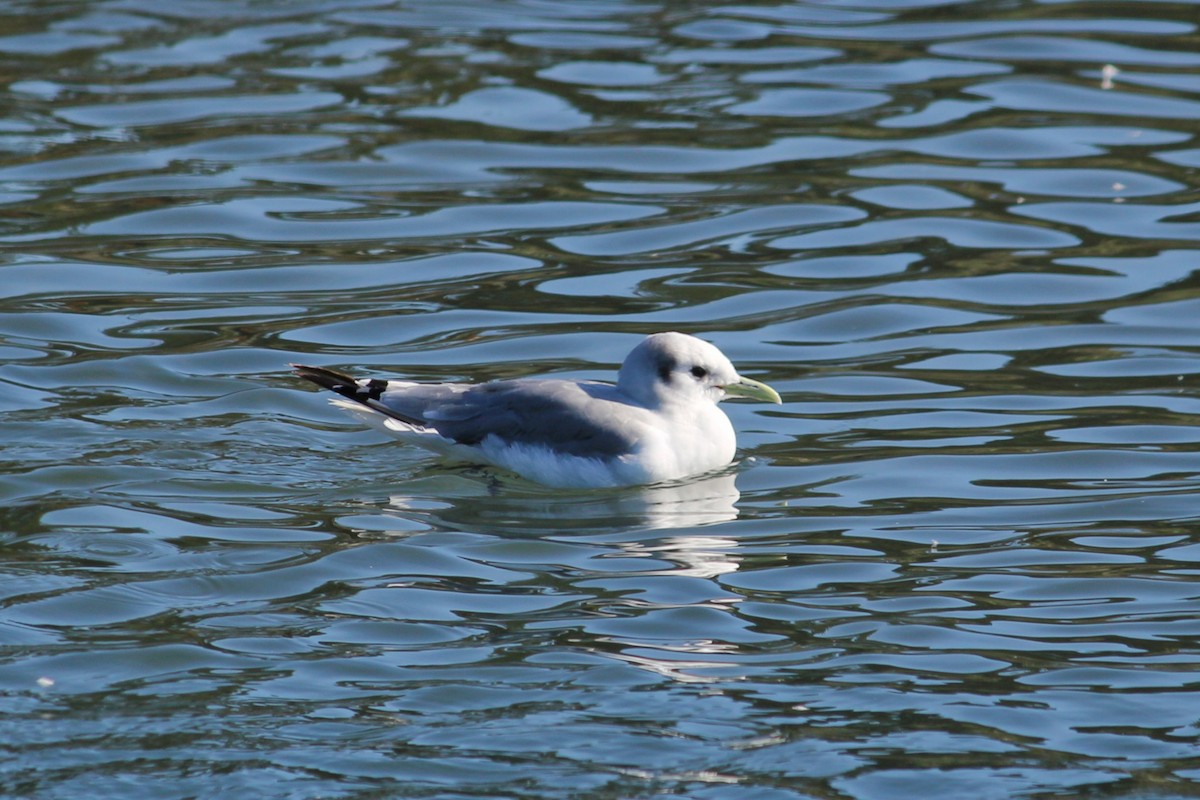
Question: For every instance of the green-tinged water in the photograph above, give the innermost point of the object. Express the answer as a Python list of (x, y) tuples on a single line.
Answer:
[(961, 560)]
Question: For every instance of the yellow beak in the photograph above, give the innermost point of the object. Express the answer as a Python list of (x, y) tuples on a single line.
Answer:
[(752, 389)]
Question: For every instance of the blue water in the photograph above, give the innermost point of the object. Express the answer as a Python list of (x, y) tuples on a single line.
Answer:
[(960, 560)]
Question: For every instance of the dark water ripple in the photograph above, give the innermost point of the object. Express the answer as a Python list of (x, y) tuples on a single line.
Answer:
[(960, 560)]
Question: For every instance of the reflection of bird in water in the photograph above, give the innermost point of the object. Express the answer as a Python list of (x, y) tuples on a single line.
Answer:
[(659, 422), (696, 556), (678, 568), (526, 509)]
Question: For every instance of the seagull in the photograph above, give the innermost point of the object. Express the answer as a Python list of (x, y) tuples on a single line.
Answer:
[(659, 422)]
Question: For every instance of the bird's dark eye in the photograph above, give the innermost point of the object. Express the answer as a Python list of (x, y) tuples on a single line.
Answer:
[(699, 372)]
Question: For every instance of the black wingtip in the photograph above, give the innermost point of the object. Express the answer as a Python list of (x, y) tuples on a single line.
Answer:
[(367, 392), (329, 379)]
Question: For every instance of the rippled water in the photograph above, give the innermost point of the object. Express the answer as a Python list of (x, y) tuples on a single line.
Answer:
[(961, 560)]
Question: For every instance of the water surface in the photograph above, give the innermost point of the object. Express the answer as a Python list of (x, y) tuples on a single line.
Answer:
[(960, 560)]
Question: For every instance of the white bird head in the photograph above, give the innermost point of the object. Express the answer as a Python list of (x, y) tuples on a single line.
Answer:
[(668, 368)]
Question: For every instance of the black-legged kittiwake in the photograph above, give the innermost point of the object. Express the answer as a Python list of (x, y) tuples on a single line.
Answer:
[(659, 422)]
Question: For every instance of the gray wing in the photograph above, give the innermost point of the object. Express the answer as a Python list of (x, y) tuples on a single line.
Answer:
[(582, 419)]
